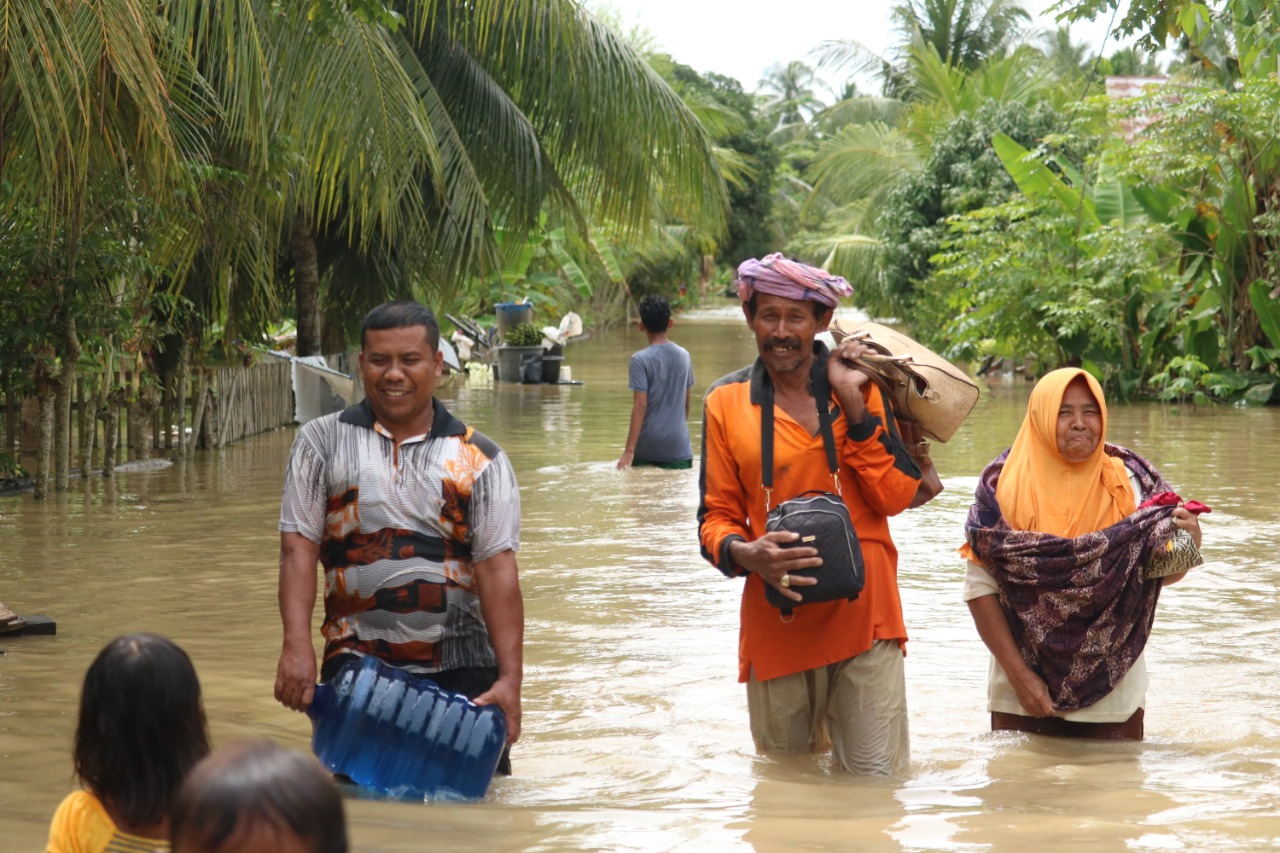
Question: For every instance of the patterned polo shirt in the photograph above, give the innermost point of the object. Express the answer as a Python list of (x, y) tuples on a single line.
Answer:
[(399, 528)]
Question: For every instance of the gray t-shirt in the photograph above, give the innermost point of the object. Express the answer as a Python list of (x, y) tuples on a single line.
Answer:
[(665, 373)]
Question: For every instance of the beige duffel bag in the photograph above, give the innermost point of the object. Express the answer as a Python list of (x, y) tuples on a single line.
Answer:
[(923, 386)]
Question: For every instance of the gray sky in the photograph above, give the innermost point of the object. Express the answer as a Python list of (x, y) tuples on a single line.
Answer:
[(743, 38)]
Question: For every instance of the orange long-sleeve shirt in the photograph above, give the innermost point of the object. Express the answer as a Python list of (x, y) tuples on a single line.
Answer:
[(877, 478)]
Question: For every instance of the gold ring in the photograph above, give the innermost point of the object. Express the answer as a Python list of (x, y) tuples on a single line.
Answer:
[(786, 580)]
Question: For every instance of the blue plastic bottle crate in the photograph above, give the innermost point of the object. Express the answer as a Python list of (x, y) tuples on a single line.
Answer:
[(384, 729)]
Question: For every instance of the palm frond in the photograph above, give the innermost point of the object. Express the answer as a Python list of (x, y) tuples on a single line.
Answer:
[(861, 161), (615, 129), (364, 161)]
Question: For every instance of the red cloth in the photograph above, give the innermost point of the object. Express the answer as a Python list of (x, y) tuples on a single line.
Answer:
[(1172, 499)]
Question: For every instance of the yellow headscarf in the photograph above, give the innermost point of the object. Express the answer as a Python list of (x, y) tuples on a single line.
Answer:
[(1042, 492)]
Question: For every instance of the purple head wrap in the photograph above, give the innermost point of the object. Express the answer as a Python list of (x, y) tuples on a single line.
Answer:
[(789, 279)]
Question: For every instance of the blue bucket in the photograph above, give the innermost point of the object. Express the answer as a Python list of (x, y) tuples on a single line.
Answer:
[(512, 314)]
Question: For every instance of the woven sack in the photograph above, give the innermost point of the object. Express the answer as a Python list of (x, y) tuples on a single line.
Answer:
[(924, 386), (1173, 557)]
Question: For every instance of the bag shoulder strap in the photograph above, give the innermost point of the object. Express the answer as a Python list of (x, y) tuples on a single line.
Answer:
[(822, 397)]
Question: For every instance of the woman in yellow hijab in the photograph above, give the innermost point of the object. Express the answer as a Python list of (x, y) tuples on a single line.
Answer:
[(1057, 544)]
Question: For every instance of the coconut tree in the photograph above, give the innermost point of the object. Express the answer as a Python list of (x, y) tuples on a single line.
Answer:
[(856, 168), (530, 109), (790, 97), (1065, 59), (241, 127), (102, 105), (965, 33)]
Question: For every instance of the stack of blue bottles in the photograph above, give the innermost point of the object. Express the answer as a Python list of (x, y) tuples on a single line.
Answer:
[(386, 730)]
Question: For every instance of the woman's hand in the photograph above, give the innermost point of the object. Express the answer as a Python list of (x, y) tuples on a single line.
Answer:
[(1033, 694), (1188, 521)]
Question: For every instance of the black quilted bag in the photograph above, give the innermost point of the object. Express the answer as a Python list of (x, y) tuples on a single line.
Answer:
[(821, 518), (823, 522)]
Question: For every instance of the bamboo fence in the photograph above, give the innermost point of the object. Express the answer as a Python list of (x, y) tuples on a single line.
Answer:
[(223, 406)]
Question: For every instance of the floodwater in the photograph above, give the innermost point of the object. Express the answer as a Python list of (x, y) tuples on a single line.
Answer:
[(635, 730)]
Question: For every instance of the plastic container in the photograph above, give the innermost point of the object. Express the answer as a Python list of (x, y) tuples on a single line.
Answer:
[(551, 369), (512, 314), (510, 360), (384, 729)]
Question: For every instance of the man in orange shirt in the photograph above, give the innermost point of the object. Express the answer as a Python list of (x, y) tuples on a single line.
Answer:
[(830, 676)]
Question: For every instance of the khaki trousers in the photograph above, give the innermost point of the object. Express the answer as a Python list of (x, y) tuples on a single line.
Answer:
[(857, 708)]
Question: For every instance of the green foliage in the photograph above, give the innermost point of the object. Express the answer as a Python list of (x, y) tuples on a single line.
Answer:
[(11, 468), (1233, 38), (1184, 378), (962, 173), (1267, 306), (327, 16), (750, 230), (1208, 172), (1153, 263), (1006, 285), (1131, 61), (965, 33)]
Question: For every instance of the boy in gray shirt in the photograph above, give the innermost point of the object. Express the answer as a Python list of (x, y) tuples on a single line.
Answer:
[(661, 377)]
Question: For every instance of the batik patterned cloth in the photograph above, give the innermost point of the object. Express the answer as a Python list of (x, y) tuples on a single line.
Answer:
[(1079, 609)]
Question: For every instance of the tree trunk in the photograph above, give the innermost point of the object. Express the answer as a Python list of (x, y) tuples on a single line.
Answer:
[(66, 385), (145, 412), (180, 394), (198, 416), (111, 430), (94, 405), (62, 435), (306, 284), (706, 270), (167, 402), (46, 385), (10, 411), (44, 451)]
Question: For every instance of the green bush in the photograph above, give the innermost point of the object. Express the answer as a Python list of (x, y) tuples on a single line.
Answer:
[(11, 469)]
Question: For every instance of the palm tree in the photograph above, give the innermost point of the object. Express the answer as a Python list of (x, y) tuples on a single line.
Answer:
[(395, 155), (964, 33), (533, 109), (101, 106), (1064, 58), (857, 166), (793, 100), (225, 128)]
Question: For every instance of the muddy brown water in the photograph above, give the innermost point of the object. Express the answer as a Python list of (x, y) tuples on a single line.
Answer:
[(635, 730)]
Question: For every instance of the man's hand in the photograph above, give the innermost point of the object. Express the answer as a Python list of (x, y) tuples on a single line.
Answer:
[(839, 372), (296, 671), (507, 697), (769, 558), (296, 678), (502, 606), (625, 460), (846, 382)]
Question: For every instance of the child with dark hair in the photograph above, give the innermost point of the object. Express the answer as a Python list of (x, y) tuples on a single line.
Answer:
[(254, 796), (141, 729), (661, 379)]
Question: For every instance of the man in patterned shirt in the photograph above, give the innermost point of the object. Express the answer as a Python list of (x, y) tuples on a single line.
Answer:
[(416, 519)]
